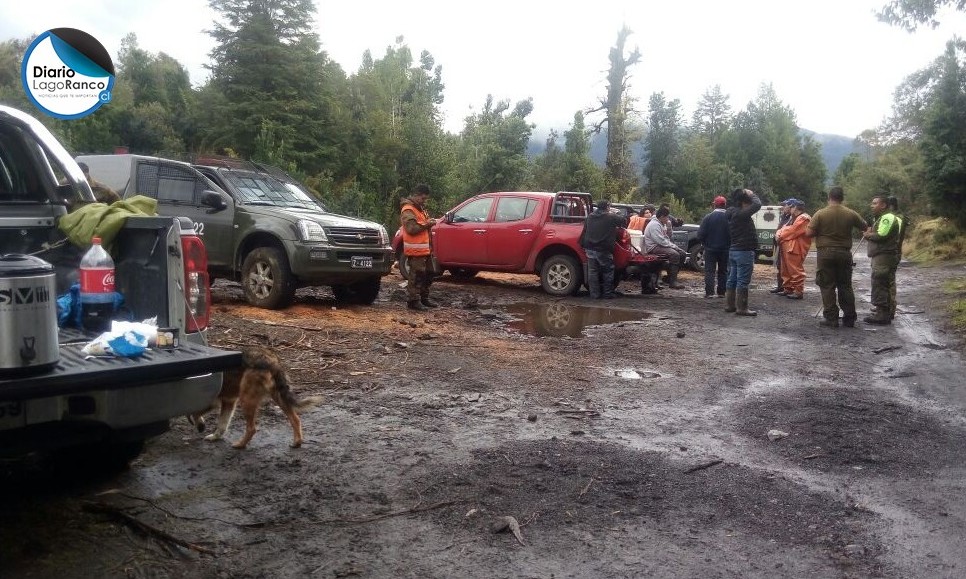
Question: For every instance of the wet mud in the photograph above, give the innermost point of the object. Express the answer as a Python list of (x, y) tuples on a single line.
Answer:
[(630, 441)]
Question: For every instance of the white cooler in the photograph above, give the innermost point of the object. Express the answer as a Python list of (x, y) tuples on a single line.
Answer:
[(637, 239)]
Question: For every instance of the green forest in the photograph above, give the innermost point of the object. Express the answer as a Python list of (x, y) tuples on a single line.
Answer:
[(363, 139)]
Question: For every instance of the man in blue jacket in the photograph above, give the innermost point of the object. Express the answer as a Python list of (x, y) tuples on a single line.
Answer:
[(716, 238)]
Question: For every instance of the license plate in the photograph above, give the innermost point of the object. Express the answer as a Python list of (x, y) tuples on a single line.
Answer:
[(362, 261), (11, 415)]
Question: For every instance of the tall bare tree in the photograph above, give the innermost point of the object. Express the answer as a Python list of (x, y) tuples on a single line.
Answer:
[(619, 170)]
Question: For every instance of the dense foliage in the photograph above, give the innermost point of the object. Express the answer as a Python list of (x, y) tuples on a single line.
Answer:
[(363, 139)]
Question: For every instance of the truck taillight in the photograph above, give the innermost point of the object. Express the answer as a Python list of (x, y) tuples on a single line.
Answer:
[(197, 292)]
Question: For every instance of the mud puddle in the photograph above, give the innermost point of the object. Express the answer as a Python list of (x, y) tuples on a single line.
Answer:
[(562, 319)]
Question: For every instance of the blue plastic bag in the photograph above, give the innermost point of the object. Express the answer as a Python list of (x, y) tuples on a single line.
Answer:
[(69, 307)]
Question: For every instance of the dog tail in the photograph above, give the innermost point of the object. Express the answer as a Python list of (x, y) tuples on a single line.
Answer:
[(286, 394), (308, 402)]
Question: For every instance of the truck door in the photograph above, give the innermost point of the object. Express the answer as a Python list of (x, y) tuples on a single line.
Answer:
[(513, 231), (178, 189), (463, 240)]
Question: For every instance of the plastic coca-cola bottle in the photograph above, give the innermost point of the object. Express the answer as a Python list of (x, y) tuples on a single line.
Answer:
[(96, 288)]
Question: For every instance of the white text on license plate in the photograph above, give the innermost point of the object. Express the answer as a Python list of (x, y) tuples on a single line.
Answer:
[(362, 261)]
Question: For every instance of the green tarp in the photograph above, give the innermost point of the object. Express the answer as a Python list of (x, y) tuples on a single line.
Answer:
[(104, 221)]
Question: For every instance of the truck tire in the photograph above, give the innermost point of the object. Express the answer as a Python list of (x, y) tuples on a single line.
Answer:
[(561, 275), (463, 272), (267, 279), (403, 264), (94, 459), (697, 256), (361, 292)]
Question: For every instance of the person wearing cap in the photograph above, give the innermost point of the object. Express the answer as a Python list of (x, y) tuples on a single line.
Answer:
[(883, 238), (102, 193), (714, 235), (657, 242), (794, 247), (741, 253), (784, 214), (417, 247), (832, 226), (598, 239)]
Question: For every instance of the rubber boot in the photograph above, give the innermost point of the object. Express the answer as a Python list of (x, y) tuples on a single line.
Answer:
[(428, 302), (730, 300), (879, 318), (416, 305), (742, 299), (672, 277)]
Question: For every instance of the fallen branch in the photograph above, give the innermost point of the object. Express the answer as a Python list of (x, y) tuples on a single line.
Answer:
[(143, 527), (416, 509), (586, 488), (811, 456), (168, 512), (885, 349), (703, 466), (508, 522), (578, 414)]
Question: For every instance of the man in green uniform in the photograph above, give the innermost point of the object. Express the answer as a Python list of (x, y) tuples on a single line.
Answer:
[(832, 228), (883, 238)]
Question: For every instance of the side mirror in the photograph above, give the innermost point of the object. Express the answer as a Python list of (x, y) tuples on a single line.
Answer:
[(214, 200), (448, 217)]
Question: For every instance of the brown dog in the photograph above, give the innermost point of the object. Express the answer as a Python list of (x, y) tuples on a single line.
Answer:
[(260, 375)]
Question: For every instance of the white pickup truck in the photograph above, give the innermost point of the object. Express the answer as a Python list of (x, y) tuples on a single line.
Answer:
[(100, 408)]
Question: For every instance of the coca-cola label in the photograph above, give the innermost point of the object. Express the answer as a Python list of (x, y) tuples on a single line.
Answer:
[(96, 281)]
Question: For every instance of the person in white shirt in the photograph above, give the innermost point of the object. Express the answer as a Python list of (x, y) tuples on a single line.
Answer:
[(657, 242)]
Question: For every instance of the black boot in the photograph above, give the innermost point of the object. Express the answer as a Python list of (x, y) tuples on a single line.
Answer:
[(672, 277), (416, 305), (730, 300), (742, 301), (428, 302)]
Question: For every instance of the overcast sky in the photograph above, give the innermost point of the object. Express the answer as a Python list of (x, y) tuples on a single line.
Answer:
[(830, 60)]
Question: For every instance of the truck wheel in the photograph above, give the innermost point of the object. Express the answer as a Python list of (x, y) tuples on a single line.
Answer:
[(361, 292), (403, 264), (697, 256), (267, 279), (560, 275), (95, 459), (463, 273)]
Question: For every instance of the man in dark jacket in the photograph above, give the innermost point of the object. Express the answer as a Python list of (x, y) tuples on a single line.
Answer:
[(714, 234), (598, 239), (741, 254)]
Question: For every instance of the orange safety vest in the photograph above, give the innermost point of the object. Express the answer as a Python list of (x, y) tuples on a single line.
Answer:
[(416, 245)]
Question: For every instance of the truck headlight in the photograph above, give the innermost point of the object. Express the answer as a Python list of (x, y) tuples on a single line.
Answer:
[(311, 231), (383, 236)]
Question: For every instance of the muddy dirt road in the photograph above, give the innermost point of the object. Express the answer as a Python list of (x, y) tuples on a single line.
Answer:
[(629, 440)]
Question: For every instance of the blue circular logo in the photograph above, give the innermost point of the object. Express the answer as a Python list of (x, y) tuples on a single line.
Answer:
[(67, 73)]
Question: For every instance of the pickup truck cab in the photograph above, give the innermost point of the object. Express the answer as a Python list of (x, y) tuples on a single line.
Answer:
[(521, 232), (107, 406), (260, 231)]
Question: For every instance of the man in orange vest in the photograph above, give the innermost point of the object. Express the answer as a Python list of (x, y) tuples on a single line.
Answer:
[(794, 245), (416, 225)]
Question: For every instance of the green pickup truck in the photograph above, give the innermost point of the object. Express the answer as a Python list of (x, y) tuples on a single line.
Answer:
[(259, 230)]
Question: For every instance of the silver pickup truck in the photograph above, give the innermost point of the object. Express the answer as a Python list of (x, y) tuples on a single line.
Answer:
[(104, 408)]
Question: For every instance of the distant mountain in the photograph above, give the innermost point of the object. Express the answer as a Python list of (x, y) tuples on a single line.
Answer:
[(834, 147)]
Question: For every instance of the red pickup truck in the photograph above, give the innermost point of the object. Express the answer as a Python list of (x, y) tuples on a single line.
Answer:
[(523, 232)]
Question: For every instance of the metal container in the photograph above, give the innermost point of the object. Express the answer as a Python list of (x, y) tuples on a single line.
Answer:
[(28, 316)]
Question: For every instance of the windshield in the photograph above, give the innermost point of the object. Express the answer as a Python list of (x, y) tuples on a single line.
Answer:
[(261, 189)]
